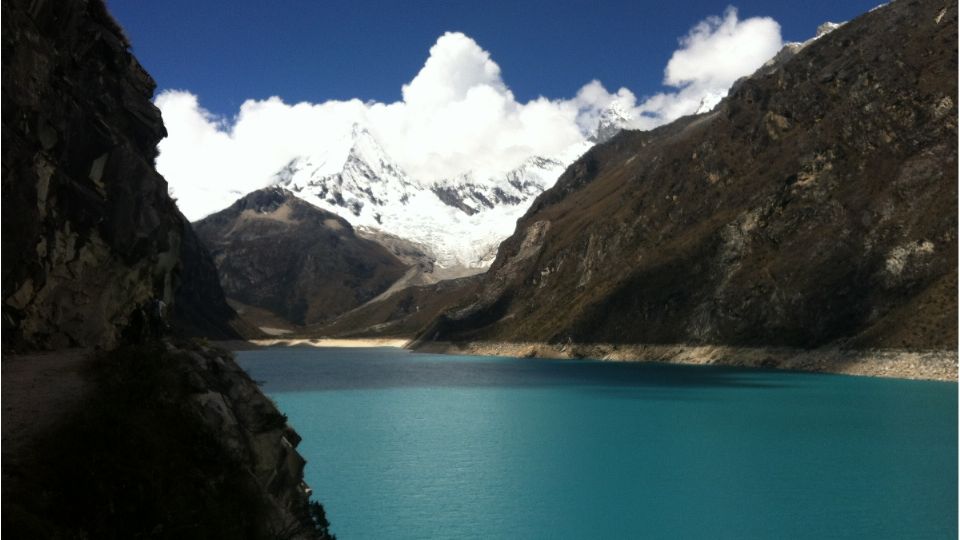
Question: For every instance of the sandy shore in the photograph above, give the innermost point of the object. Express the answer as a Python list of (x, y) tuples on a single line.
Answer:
[(937, 365), (934, 365), (322, 342)]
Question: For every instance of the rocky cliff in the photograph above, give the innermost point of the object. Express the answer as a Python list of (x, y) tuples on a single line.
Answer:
[(815, 206), (174, 440), (277, 252), (89, 231)]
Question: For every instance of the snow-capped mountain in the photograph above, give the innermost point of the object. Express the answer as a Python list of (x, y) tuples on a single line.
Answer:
[(473, 195), (354, 178), (461, 220), (709, 101), (613, 118), (790, 49)]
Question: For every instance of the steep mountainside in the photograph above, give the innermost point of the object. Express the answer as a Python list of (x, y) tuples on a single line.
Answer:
[(169, 440), (277, 252), (89, 232), (817, 204), (199, 304)]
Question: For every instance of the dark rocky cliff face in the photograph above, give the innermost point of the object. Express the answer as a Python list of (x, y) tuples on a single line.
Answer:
[(200, 307), (277, 252), (89, 231), (173, 440), (816, 205)]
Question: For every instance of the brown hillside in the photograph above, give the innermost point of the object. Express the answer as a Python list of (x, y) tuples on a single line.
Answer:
[(816, 204), (276, 252)]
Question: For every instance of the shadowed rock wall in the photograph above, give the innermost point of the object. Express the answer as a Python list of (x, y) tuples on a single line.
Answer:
[(89, 231)]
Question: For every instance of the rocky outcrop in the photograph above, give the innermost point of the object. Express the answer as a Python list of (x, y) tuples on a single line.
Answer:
[(816, 205), (277, 252), (171, 440), (89, 231), (253, 434), (168, 441)]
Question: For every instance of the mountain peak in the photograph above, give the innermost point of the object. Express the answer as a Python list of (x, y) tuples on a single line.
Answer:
[(461, 219), (790, 49), (826, 28), (263, 200), (613, 118)]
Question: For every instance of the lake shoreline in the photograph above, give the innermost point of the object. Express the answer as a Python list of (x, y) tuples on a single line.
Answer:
[(251, 344), (933, 365)]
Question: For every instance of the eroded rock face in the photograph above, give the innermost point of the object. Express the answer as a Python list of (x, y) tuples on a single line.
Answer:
[(815, 205), (252, 432), (89, 231)]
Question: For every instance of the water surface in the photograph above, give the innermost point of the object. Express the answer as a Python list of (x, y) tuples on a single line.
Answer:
[(408, 445)]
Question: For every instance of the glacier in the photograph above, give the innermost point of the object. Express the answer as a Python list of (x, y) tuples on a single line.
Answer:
[(460, 221)]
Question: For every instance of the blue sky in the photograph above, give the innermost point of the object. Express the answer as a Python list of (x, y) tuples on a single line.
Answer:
[(445, 88), (226, 51)]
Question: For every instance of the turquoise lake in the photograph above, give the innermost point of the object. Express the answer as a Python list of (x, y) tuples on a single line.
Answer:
[(408, 445)]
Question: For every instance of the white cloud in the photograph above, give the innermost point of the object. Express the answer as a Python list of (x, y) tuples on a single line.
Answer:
[(712, 56), (456, 115)]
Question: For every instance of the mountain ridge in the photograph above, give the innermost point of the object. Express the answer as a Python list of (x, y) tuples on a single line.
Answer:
[(460, 220), (663, 237)]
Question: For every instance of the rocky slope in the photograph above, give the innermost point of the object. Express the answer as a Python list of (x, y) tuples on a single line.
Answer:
[(398, 315), (276, 252), (815, 206), (89, 232), (200, 308)]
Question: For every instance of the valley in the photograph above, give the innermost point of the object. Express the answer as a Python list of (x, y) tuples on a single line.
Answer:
[(804, 221), (724, 306)]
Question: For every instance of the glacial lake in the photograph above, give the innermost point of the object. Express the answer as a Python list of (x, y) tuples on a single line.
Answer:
[(408, 445)]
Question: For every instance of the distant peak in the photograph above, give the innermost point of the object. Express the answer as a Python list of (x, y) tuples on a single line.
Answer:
[(826, 28), (613, 118), (790, 49), (266, 199), (358, 130)]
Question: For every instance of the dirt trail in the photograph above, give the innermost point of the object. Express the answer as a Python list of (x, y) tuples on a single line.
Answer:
[(37, 391)]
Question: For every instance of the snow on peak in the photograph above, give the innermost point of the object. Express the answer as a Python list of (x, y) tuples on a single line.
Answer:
[(463, 219), (792, 48), (826, 28), (613, 118), (710, 100)]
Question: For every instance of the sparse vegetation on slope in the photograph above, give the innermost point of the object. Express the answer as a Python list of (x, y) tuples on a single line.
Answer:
[(815, 206)]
